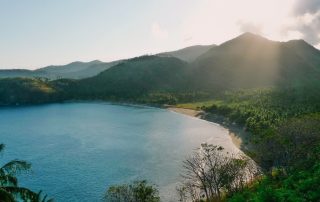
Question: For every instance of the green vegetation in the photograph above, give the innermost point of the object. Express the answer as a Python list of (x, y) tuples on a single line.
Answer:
[(139, 191), (262, 109), (26, 91), (9, 189), (294, 154)]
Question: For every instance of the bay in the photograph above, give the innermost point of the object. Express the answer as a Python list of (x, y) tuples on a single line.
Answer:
[(77, 150)]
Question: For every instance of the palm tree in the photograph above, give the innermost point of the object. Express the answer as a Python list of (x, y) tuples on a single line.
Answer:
[(38, 198), (9, 189)]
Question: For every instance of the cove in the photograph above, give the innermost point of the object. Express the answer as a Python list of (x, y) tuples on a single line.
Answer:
[(77, 150)]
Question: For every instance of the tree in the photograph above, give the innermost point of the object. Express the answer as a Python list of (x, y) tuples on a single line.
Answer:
[(9, 189), (210, 172), (138, 191)]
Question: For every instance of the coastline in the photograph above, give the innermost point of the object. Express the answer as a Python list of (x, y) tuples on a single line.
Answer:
[(237, 134)]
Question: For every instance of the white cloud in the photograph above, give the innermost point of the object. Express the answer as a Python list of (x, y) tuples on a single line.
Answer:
[(159, 32), (250, 27), (308, 24)]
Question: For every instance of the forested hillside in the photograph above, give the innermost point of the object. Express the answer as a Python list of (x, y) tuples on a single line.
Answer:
[(251, 61)]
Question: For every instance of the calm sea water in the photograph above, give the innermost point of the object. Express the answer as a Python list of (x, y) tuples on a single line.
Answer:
[(77, 150)]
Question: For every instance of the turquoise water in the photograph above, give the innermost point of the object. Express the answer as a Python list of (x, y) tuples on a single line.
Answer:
[(78, 149)]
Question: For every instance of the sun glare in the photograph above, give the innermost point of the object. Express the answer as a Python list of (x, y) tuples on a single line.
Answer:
[(221, 18), (269, 16)]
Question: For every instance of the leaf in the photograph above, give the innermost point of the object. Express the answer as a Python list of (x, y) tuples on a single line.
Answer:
[(21, 192), (10, 180), (16, 166)]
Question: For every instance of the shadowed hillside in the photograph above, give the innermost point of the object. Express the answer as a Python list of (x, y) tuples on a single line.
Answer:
[(250, 61), (25, 91), (132, 79)]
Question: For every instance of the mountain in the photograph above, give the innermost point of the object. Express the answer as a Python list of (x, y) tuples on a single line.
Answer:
[(188, 54), (74, 70), (248, 61), (131, 79), (251, 61), (245, 62)]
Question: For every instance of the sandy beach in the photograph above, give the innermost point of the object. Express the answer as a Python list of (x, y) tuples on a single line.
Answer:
[(237, 137), (189, 112)]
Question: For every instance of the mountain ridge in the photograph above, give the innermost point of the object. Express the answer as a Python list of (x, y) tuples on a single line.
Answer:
[(245, 62), (188, 54)]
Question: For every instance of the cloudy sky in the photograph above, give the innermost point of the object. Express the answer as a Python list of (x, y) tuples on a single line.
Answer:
[(37, 33)]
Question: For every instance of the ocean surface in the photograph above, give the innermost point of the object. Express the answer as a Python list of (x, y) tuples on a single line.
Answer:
[(77, 150)]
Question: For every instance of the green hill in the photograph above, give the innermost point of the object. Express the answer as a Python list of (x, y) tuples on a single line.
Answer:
[(132, 79), (251, 61), (248, 61), (16, 91)]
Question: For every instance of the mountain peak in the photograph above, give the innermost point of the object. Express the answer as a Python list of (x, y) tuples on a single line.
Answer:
[(246, 38), (251, 36), (95, 61)]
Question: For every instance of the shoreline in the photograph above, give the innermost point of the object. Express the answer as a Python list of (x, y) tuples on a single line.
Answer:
[(238, 136)]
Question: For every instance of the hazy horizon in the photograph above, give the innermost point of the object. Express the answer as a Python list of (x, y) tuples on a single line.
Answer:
[(40, 33)]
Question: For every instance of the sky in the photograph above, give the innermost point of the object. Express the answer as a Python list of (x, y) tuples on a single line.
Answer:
[(38, 33)]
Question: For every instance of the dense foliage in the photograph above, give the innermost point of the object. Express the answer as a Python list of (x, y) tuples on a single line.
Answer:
[(25, 91), (267, 108), (298, 185)]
